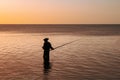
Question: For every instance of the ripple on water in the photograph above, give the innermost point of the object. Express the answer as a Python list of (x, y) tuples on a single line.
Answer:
[(90, 58)]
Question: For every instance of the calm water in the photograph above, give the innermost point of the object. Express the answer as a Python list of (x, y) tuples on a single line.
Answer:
[(89, 58)]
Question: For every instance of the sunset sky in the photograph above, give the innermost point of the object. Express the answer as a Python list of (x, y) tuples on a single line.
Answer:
[(59, 11)]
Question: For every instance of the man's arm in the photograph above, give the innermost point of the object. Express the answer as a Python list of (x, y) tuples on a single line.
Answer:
[(51, 47), (43, 46)]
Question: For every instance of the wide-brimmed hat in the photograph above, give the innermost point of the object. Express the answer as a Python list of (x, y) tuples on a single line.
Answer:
[(45, 39)]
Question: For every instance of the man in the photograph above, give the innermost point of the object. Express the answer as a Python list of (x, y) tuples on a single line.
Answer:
[(47, 46)]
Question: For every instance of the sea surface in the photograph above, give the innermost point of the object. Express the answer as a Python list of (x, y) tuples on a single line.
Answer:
[(85, 52)]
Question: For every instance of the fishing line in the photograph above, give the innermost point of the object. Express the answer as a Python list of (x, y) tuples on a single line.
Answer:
[(65, 44)]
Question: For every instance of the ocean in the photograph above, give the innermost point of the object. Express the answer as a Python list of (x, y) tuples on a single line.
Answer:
[(85, 52)]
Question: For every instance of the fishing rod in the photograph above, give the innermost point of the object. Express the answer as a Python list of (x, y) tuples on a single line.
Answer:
[(65, 44)]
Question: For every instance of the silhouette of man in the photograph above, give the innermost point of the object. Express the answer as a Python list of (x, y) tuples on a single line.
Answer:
[(46, 46)]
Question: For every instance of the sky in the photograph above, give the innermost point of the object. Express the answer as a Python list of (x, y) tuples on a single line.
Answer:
[(59, 11)]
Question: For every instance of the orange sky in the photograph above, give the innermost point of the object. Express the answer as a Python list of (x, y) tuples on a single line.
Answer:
[(59, 12)]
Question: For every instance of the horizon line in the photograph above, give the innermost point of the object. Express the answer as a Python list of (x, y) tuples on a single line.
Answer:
[(59, 24)]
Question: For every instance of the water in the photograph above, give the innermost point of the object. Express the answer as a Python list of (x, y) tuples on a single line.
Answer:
[(90, 58)]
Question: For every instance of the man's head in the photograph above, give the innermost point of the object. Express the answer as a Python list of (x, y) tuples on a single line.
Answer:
[(46, 39)]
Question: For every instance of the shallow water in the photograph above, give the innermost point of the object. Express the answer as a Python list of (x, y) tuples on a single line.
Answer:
[(89, 58)]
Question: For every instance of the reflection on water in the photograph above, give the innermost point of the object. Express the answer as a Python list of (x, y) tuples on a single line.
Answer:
[(89, 58), (47, 69)]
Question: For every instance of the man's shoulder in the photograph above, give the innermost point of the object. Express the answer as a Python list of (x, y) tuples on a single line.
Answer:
[(48, 43)]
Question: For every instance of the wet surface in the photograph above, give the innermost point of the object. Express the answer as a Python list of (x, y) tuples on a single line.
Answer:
[(90, 58)]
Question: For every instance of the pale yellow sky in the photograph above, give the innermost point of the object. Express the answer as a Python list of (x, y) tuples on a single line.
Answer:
[(59, 11)]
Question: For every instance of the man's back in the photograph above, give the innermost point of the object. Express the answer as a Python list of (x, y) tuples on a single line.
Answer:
[(47, 46)]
